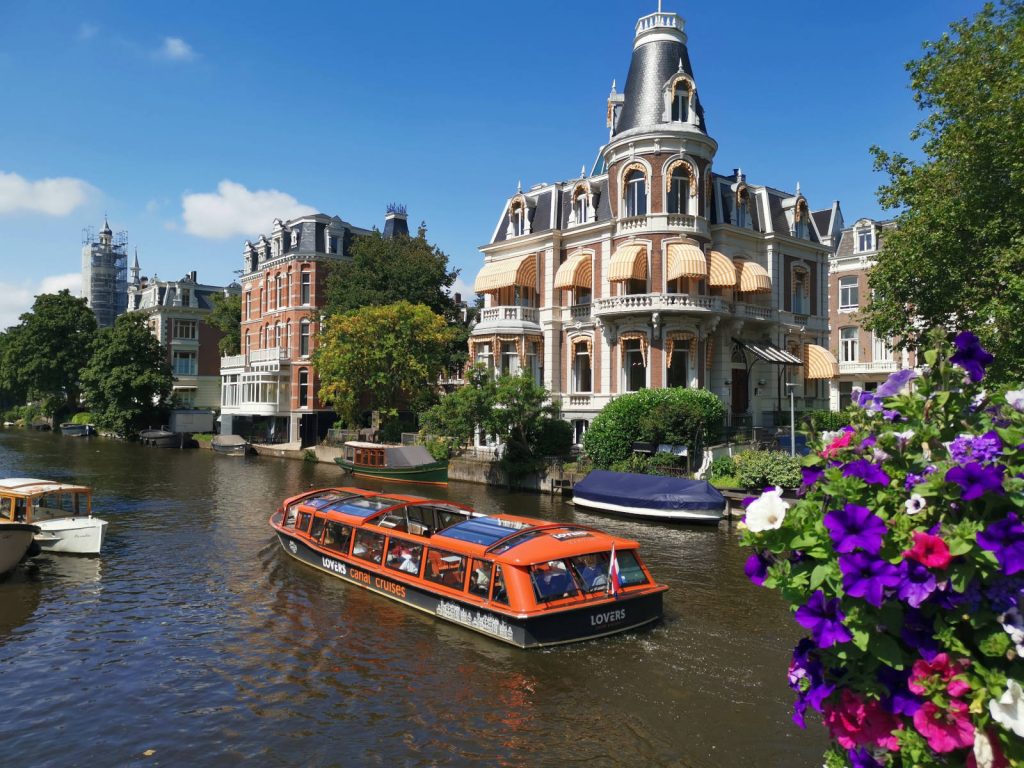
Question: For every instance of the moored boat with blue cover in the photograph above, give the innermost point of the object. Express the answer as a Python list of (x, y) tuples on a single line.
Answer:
[(651, 496)]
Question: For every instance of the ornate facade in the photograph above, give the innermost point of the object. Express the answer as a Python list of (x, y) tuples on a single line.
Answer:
[(653, 270)]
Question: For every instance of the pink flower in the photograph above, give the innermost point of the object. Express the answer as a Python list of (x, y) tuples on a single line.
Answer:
[(945, 730), (929, 550), (840, 442), (940, 670), (854, 722)]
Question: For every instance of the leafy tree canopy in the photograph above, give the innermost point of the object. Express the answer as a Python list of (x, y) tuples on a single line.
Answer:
[(381, 358), (956, 259), (226, 317), (49, 347), (127, 382), (457, 414)]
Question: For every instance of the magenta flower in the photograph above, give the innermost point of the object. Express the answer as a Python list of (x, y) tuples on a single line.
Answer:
[(867, 576), (977, 479), (855, 722), (971, 356), (1006, 539), (870, 473), (929, 550), (824, 620), (945, 730), (855, 527)]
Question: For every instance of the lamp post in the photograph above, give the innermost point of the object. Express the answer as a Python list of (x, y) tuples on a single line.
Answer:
[(792, 421)]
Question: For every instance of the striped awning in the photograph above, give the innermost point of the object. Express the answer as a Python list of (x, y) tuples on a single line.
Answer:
[(575, 271), (721, 271), (753, 278), (821, 364), (685, 260), (521, 270), (770, 353), (629, 262)]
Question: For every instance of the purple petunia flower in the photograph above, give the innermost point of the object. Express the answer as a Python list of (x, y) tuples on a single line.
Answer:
[(918, 632), (1005, 593), (824, 620), (756, 568), (855, 527), (985, 448), (900, 700), (917, 582), (896, 382), (971, 356), (866, 471), (1006, 539), (811, 475), (977, 479), (867, 576), (861, 757), (807, 678)]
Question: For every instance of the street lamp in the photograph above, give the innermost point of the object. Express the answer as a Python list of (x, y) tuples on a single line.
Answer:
[(792, 421)]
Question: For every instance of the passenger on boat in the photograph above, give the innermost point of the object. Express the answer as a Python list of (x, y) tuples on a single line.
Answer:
[(481, 580), (408, 564), (594, 576)]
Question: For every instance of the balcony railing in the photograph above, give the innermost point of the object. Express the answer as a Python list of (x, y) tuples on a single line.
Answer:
[(579, 401), (513, 318), (754, 311), (875, 366), (676, 223), (659, 302), (267, 359), (579, 312)]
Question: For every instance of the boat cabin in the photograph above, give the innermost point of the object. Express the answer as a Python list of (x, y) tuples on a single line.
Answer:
[(25, 500), (377, 455)]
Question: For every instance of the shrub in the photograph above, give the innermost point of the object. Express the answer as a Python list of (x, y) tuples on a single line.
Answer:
[(825, 421), (759, 469), (553, 438), (723, 466), (83, 417), (904, 561)]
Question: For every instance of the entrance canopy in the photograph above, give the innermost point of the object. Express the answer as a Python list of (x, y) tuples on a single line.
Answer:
[(770, 353)]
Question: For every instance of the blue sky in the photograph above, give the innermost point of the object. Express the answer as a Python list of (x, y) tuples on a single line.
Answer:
[(193, 124)]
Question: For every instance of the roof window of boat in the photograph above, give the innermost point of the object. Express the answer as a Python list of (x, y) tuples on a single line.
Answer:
[(329, 500), (368, 546), (394, 519), (363, 507), (317, 528), (445, 568), (338, 537), (303, 523), (552, 581), (404, 556)]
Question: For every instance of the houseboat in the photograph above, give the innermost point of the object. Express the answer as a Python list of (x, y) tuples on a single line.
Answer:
[(231, 445), (398, 463), (62, 512), (526, 582), (655, 497)]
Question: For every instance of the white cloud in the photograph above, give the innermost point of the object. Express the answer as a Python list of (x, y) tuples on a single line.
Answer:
[(87, 31), (176, 49), (463, 288), (234, 210), (54, 197), (17, 298)]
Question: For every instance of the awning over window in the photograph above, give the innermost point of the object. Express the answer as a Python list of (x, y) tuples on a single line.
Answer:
[(753, 278), (821, 364), (685, 260), (721, 271), (629, 262), (521, 270), (770, 353), (575, 271)]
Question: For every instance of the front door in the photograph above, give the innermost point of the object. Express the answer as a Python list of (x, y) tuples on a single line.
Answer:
[(740, 397)]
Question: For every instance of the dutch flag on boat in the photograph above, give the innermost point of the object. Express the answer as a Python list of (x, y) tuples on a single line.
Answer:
[(613, 574)]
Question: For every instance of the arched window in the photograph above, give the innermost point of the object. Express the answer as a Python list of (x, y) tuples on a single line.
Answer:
[(306, 283), (280, 291), (635, 185), (681, 102), (248, 344), (304, 338), (288, 337), (277, 335), (579, 207), (679, 189), (248, 304), (303, 387), (582, 378), (742, 207), (517, 219), (801, 291)]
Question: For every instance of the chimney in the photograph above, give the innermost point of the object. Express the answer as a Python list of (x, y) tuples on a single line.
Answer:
[(193, 275), (396, 222), (458, 298)]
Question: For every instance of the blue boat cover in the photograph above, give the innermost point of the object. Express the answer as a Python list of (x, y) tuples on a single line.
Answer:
[(651, 491), (478, 530)]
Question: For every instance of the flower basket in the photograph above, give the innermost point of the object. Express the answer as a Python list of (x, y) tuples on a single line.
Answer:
[(904, 561)]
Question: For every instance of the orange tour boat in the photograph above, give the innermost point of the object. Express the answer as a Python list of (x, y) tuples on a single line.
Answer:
[(527, 582)]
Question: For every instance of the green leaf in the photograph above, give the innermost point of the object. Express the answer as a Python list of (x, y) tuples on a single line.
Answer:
[(887, 650), (860, 637), (995, 644), (819, 574)]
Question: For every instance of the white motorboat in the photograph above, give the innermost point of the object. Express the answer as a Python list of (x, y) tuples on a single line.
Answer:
[(15, 540), (655, 497), (61, 511)]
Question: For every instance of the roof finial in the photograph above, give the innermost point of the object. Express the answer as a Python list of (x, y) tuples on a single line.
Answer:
[(519, 186), (613, 85), (659, 6), (583, 171), (680, 63), (798, 189)]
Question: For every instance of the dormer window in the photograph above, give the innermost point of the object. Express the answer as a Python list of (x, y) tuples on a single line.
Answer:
[(742, 208), (518, 217), (801, 292), (636, 193), (518, 221), (800, 219), (680, 188), (579, 208), (865, 239), (681, 103)]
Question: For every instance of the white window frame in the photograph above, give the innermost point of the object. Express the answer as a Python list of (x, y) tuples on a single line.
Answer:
[(852, 285), (627, 356), (179, 330), (848, 344), (865, 232), (187, 356), (580, 351), (634, 187)]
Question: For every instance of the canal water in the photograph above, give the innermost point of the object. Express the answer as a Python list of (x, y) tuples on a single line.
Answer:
[(192, 640)]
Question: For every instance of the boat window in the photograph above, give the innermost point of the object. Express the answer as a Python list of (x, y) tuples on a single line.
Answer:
[(394, 519), (303, 524), (552, 580), (630, 572), (404, 556), (480, 578), (500, 594), (317, 529), (592, 570), (361, 506), (338, 537), (446, 517), (327, 500), (369, 546), (290, 513), (445, 568), (5, 508)]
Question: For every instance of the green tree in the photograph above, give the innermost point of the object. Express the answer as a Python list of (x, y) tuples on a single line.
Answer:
[(956, 259), (521, 409), (12, 389), (127, 382), (458, 413), (381, 358), (49, 348), (226, 317)]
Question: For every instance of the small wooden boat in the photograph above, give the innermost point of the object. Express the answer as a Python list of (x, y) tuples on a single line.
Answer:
[(398, 463), (70, 429), (231, 445), (650, 496), (61, 511), (526, 582), (16, 539), (164, 438)]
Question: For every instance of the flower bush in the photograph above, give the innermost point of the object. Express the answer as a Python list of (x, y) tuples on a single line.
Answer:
[(904, 561)]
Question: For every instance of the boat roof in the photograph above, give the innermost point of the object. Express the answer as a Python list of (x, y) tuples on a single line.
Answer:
[(399, 455), (28, 486)]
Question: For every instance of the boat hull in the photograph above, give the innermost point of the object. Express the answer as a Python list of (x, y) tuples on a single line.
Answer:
[(428, 474), (77, 430), (72, 535), (15, 540), (649, 513), (232, 449), (556, 627)]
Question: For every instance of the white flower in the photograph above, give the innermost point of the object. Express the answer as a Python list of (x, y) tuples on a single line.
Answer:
[(983, 754), (904, 437), (915, 503), (1013, 624), (767, 512), (1015, 397), (1009, 710)]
